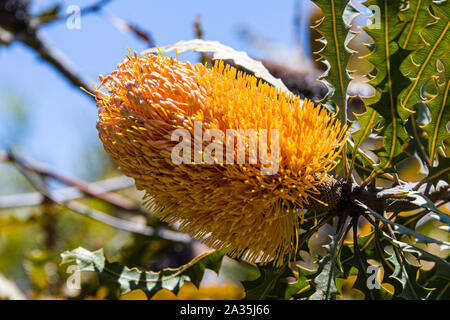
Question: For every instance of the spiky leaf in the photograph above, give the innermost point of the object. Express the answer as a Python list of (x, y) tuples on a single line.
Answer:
[(421, 64), (148, 281), (335, 27)]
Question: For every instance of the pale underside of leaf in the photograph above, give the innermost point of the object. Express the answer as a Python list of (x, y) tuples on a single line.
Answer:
[(148, 281)]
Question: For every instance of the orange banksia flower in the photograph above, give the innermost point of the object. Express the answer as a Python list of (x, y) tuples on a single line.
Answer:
[(256, 215)]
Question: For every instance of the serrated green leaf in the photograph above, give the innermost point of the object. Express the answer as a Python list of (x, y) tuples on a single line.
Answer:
[(392, 268), (416, 146), (261, 288), (357, 266), (413, 289), (395, 272), (442, 266), (324, 282), (441, 172), (148, 281), (276, 283), (367, 121), (222, 52), (299, 288)]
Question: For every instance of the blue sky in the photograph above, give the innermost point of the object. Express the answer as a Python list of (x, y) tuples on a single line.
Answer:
[(62, 118)]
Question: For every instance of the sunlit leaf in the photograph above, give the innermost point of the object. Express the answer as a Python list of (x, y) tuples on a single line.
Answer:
[(421, 64), (422, 201), (148, 281)]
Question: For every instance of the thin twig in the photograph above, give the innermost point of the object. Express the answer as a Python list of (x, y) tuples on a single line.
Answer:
[(123, 224)]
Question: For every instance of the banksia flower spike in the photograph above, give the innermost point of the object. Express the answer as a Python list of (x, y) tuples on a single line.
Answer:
[(253, 212)]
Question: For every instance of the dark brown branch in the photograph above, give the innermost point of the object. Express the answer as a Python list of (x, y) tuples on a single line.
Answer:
[(92, 8), (124, 224)]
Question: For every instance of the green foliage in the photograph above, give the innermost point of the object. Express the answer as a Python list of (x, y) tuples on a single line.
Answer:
[(388, 82), (424, 202), (410, 67), (410, 60), (419, 238)]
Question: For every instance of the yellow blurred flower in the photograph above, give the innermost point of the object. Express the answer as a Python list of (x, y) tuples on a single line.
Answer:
[(147, 98)]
